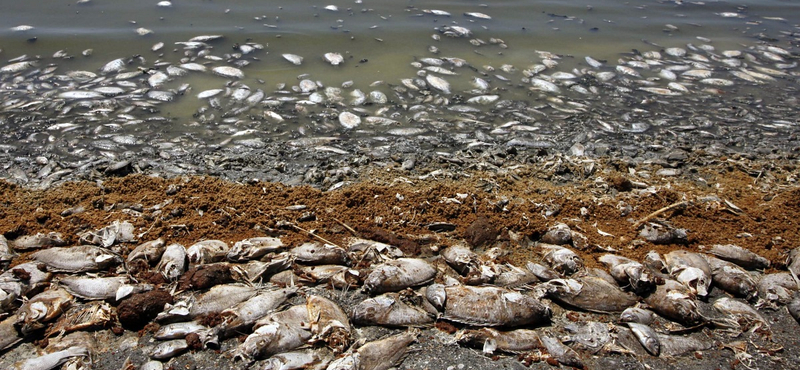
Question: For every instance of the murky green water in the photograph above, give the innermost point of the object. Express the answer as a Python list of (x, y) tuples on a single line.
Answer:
[(379, 40)]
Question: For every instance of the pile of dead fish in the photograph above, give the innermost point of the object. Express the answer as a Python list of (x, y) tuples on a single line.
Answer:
[(115, 113), (299, 306)]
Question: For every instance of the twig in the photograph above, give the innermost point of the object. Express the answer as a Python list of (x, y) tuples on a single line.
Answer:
[(315, 235), (649, 217), (346, 226)]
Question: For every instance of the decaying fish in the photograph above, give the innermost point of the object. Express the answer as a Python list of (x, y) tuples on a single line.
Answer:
[(37, 241), (395, 275), (558, 234), (678, 345), (310, 359), (793, 307), (370, 250), (52, 360), (542, 272), (242, 316), (117, 232), (628, 272), (82, 258), (732, 278), (647, 337), (207, 251), (254, 248), (561, 259), (150, 252), (328, 323), (637, 315), (173, 262), (269, 265), (591, 336), (338, 276), (659, 233), (740, 256), (487, 305), (561, 353), (589, 293), (279, 332), (793, 263), (169, 349), (9, 335), (178, 330), (221, 297), (510, 276), (381, 354), (92, 288), (461, 258), (491, 340), (320, 254), (740, 316), (42, 308), (691, 269), (674, 301), (393, 309), (93, 315), (19, 281), (777, 288)]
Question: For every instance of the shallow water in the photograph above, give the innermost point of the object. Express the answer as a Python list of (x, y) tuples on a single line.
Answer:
[(380, 40)]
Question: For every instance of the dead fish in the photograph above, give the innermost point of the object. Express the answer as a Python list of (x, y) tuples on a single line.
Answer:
[(461, 258), (732, 278), (793, 263), (561, 259), (647, 337), (628, 272), (340, 277), (740, 316), (268, 266), (207, 251), (477, 15), (294, 59), (6, 254), (229, 72), (438, 83), (36, 312), (591, 336), (328, 323), (561, 353), (546, 86), (320, 254), (678, 345), (93, 315), (777, 288), (510, 276), (113, 66), (52, 360), (333, 58), (675, 302), (82, 258), (542, 272), (221, 297), (382, 354), (241, 317), (178, 330), (37, 241), (150, 252), (793, 307), (393, 309), (637, 315), (9, 335), (311, 359), (169, 349), (487, 305), (173, 262), (491, 340), (278, 332), (558, 234), (399, 274), (589, 293), (691, 269), (254, 248), (93, 288), (663, 234)]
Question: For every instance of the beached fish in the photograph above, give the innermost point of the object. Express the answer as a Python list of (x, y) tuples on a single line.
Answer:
[(173, 262), (438, 83), (382, 354), (393, 309), (328, 323), (691, 269), (674, 301), (76, 259), (395, 275), (561, 259), (226, 71), (589, 293), (732, 278), (254, 248), (487, 305), (491, 340)]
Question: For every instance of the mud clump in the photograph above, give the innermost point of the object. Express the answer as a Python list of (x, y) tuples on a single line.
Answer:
[(480, 232), (138, 310), (205, 276), (409, 247)]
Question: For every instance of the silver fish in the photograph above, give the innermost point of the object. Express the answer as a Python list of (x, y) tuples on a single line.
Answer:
[(542, 272), (242, 316), (150, 252), (311, 359), (777, 288), (169, 349), (392, 309), (328, 323), (561, 353), (647, 337), (491, 340), (333, 58), (732, 278), (52, 360), (37, 241), (691, 269), (629, 272), (589, 293), (740, 316), (254, 248), (173, 262), (399, 274), (276, 336), (487, 305), (561, 259), (382, 354), (207, 251), (294, 59), (82, 258), (229, 72), (97, 288), (674, 301), (320, 254)]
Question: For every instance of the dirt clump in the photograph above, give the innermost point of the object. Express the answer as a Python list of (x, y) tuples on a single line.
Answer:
[(205, 276), (480, 232), (140, 309)]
